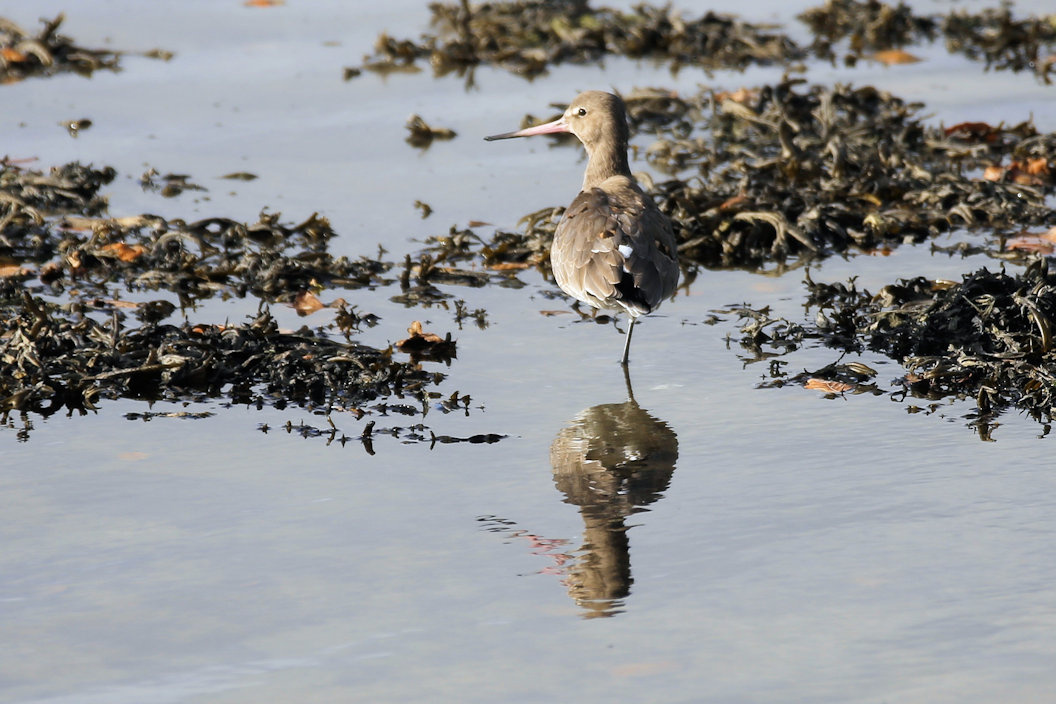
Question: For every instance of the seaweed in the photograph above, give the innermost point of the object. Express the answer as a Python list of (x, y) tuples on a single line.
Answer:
[(987, 338), (56, 243), (23, 55), (525, 37)]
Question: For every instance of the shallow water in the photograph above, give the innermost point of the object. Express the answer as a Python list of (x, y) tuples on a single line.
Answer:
[(792, 548)]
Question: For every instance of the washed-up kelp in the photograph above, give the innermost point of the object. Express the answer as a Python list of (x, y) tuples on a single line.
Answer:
[(23, 55), (988, 337), (56, 356), (868, 26), (527, 36), (269, 259), (788, 170), (55, 243), (26, 195), (992, 35)]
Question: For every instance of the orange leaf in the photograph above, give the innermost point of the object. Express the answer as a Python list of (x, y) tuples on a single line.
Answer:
[(263, 3), (1028, 244), (9, 270), (994, 172), (306, 303), (1035, 172), (891, 57), (416, 331), (111, 303), (1045, 243), (976, 130), (741, 95), (1038, 166), (733, 202), (12, 55), (418, 340), (552, 313), (826, 385), (509, 266), (124, 252)]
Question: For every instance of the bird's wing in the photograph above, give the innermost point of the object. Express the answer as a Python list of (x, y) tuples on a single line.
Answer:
[(585, 256), (652, 260), (615, 245)]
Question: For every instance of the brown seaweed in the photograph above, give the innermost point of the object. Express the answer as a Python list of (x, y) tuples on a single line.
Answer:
[(23, 55), (992, 35), (987, 338), (525, 37), (71, 355)]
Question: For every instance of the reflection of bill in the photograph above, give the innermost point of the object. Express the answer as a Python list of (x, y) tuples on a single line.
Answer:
[(612, 460)]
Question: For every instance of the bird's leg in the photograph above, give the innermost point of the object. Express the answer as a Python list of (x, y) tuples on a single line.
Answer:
[(627, 343)]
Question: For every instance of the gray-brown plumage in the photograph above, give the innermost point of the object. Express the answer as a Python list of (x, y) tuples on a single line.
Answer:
[(613, 248)]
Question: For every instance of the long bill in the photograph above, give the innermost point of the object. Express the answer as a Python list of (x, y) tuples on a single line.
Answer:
[(557, 126)]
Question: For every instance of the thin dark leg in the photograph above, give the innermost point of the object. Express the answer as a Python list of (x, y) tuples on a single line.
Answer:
[(627, 343)]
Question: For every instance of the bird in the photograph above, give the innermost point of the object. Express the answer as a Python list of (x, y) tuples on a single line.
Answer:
[(613, 248)]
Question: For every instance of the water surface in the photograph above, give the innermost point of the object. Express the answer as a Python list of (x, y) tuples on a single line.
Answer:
[(765, 545)]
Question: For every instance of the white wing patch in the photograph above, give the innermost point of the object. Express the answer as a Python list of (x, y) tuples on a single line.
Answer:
[(625, 250)]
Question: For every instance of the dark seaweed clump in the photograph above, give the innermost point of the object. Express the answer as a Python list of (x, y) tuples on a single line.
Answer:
[(988, 338), (76, 249), (525, 37), (787, 171), (26, 195), (57, 356), (992, 35), (47, 53), (868, 26), (53, 242)]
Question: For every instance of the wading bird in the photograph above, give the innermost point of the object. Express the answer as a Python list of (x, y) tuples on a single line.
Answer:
[(613, 248)]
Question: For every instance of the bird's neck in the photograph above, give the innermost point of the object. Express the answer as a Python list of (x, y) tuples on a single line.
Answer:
[(607, 159)]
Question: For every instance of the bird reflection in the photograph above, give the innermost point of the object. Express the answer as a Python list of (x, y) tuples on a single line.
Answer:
[(612, 461)]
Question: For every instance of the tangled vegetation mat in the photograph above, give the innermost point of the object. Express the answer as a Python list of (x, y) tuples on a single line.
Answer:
[(768, 178)]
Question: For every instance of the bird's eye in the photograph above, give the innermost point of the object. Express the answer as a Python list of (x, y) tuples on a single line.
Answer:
[(582, 112)]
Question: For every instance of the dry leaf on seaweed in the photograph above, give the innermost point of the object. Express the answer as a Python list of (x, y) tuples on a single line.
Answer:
[(1043, 243), (1032, 172), (13, 56), (124, 252), (426, 345), (826, 385), (12, 270), (892, 57), (111, 303), (973, 131), (306, 303)]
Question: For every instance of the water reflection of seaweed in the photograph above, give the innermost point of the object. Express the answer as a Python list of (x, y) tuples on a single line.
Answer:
[(611, 460)]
